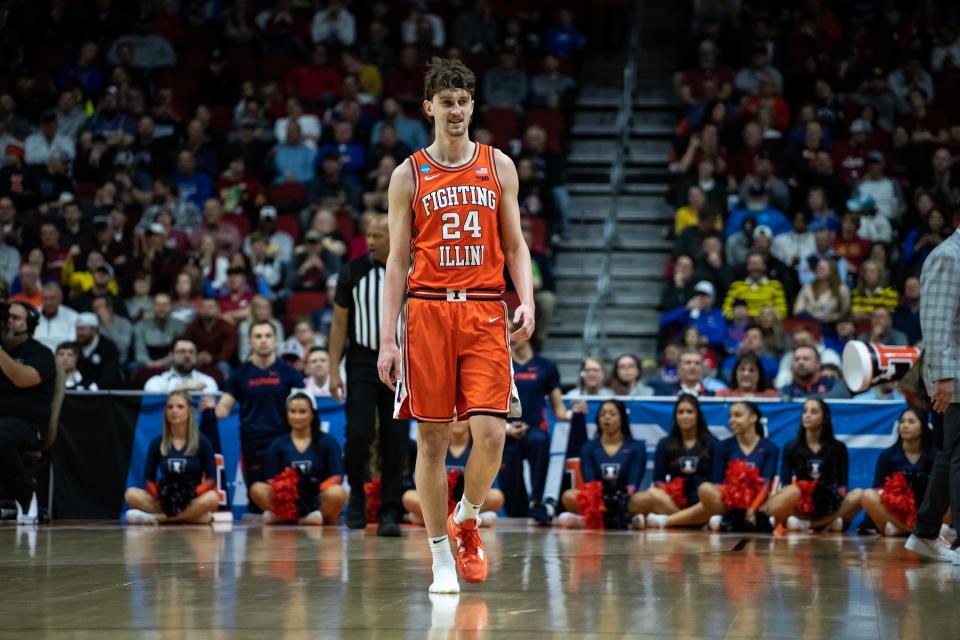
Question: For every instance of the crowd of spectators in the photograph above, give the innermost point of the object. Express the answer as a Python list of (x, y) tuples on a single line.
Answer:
[(172, 170), (815, 165)]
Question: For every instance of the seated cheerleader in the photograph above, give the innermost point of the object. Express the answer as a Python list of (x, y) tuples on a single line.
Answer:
[(742, 472), (456, 463), (815, 472), (614, 458), (183, 492), (892, 506), (305, 466), (683, 461)]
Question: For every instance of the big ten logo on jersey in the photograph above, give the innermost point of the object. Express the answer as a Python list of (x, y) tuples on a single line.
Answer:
[(303, 466), (814, 467), (176, 465), (688, 464), (460, 226), (610, 470)]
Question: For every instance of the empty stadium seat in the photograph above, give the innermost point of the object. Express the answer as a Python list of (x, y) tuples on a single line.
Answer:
[(304, 303), (503, 124), (289, 224), (287, 196)]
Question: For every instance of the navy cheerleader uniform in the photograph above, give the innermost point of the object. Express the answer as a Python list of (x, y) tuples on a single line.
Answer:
[(694, 465), (764, 457), (829, 467), (321, 460), (624, 468), (197, 468), (893, 460)]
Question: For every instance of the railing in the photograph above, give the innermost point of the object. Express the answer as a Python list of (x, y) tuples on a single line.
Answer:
[(595, 330)]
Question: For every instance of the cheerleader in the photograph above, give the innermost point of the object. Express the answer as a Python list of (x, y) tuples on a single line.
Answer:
[(815, 468), (748, 445), (456, 463), (315, 463), (614, 458), (912, 456), (179, 474), (683, 461)]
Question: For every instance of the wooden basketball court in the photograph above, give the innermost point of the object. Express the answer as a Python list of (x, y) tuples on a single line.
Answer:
[(248, 581)]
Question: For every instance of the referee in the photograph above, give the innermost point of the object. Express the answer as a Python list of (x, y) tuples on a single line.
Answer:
[(357, 309)]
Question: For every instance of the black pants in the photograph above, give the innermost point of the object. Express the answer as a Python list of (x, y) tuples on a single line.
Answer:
[(943, 489), (16, 436), (535, 448), (368, 398)]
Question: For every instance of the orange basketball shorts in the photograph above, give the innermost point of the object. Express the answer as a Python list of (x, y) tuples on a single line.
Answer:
[(455, 361)]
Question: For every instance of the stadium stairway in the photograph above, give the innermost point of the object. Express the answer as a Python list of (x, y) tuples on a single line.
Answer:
[(628, 317)]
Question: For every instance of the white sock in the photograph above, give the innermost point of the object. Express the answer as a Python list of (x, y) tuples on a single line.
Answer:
[(444, 569), (466, 510)]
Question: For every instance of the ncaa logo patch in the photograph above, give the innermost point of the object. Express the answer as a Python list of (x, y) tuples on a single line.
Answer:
[(424, 168)]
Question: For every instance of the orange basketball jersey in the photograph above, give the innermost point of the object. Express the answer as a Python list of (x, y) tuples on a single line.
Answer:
[(455, 236)]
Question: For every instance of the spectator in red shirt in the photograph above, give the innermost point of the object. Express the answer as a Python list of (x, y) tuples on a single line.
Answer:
[(849, 245), (923, 125), (216, 339), (768, 99), (850, 155), (708, 80), (317, 82), (53, 251)]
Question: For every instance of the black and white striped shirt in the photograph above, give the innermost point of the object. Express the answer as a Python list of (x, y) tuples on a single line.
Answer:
[(360, 290)]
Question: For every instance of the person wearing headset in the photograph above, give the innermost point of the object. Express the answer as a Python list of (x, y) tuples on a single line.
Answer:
[(27, 376)]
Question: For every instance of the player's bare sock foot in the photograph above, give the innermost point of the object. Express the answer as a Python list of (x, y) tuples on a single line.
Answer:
[(471, 560), (444, 569)]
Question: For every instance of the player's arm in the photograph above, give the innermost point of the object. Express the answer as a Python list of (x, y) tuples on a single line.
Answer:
[(399, 197), (514, 248), (559, 409), (338, 336)]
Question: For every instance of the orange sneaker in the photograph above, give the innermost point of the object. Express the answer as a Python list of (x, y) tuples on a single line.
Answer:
[(472, 562)]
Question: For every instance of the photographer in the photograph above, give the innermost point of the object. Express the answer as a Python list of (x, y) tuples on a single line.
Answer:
[(27, 374)]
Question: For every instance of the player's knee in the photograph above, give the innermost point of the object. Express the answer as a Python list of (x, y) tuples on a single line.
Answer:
[(432, 446), (490, 441)]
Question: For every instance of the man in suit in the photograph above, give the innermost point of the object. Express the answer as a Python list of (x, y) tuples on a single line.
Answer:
[(940, 322)]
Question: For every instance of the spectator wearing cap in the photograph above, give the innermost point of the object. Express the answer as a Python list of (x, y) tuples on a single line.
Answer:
[(291, 352), (216, 338), (218, 83), (763, 172), (505, 85), (192, 185), (293, 160), (280, 244), (757, 207), (58, 322), (160, 260), (699, 312), (873, 227), (46, 142), (850, 155), (100, 359), (885, 192), (101, 283), (239, 191), (116, 328), (332, 188), (756, 289), (154, 335), (182, 374), (776, 269), (109, 121), (791, 248)]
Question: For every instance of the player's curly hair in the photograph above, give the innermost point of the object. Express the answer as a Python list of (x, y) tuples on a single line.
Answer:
[(447, 73)]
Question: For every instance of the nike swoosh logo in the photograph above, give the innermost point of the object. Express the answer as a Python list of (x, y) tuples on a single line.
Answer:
[(493, 319), (436, 175)]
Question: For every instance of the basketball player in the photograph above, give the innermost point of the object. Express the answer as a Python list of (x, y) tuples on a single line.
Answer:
[(454, 220)]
